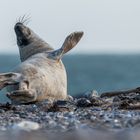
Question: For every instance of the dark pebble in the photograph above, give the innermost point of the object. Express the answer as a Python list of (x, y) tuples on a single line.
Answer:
[(83, 102)]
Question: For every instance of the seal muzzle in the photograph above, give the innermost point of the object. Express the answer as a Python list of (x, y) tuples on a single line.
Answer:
[(22, 34)]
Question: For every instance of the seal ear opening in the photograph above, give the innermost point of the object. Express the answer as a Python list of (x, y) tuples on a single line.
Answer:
[(70, 42)]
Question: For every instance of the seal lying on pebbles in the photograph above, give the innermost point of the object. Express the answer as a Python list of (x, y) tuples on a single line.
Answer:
[(41, 75)]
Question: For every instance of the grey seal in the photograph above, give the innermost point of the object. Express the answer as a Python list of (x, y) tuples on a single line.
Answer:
[(41, 73)]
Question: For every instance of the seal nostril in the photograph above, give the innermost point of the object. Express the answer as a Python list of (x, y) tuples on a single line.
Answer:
[(18, 25)]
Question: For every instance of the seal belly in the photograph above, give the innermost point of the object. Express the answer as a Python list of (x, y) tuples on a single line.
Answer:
[(47, 77), (52, 83)]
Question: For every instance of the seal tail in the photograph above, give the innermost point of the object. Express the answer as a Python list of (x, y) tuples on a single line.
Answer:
[(70, 42)]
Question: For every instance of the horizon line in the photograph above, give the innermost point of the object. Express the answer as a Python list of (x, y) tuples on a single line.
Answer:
[(88, 53)]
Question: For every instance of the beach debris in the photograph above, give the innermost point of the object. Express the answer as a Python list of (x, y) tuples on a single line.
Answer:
[(117, 93)]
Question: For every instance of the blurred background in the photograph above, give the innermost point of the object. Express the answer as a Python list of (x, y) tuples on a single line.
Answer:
[(106, 58)]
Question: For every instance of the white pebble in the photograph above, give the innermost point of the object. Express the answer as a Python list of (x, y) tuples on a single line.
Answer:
[(26, 125)]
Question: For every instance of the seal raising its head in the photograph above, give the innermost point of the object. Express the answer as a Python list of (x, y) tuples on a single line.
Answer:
[(41, 75)]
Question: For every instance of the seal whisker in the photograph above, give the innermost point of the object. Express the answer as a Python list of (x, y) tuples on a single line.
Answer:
[(16, 20), (25, 19), (22, 19), (19, 19), (28, 19)]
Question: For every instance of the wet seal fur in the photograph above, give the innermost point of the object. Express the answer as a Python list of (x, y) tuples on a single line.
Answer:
[(41, 74)]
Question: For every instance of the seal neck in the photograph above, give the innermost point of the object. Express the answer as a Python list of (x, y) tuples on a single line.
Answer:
[(33, 48)]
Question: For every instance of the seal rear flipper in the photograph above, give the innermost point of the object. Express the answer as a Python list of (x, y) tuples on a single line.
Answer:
[(68, 44), (10, 78)]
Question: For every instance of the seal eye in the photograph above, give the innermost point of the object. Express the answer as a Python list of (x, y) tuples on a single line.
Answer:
[(22, 42), (25, 42)]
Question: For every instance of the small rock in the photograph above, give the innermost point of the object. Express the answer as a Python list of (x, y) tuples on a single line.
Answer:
[(83, 102), (62, 106), (92, 118), (69, 98), (61, 103), (46, 102), (137, 98), (90, 94), (116, 99), (45, 105), (2, 111), (94, 93), (22, 114), (117, 124), (96, 101), (52, 124)]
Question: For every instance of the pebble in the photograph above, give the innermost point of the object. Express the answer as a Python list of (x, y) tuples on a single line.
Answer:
[(26, 126), (70, 98), (83, 102), (90, 94)]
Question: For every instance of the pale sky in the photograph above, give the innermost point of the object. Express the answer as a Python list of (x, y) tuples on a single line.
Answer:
[(110, 26)]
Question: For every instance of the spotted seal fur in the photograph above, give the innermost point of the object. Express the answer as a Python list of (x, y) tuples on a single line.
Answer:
[(41, 73)]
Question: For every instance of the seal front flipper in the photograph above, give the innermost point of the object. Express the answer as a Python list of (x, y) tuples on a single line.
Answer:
[(10, 78), (22, 96), (68, 44)]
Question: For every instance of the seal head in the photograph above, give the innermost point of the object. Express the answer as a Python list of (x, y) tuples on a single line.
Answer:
[(29, 43), (24, 34)]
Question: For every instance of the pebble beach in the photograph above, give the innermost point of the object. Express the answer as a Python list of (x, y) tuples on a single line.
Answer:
[(90, 114)]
